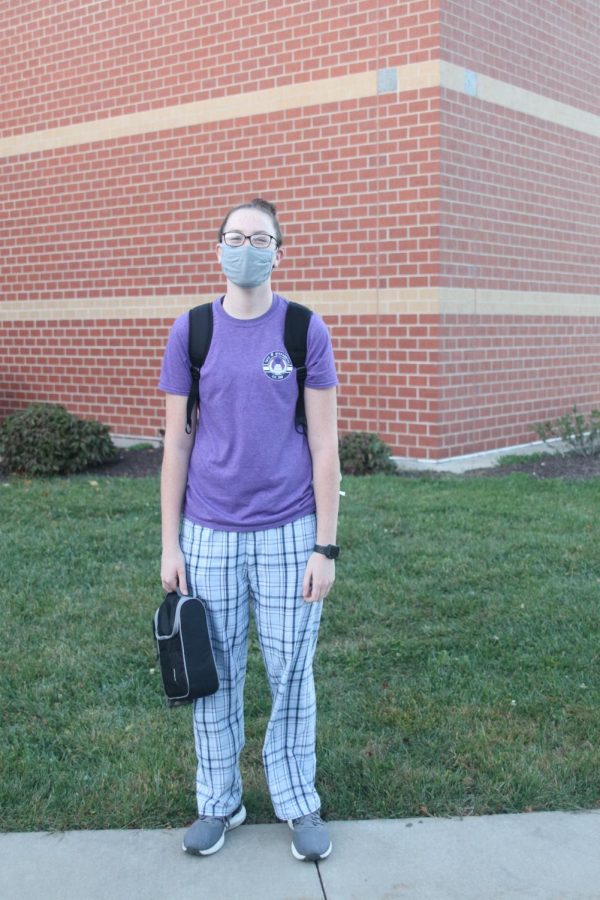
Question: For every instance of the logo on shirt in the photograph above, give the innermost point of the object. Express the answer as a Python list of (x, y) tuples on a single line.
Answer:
[(277, 365)]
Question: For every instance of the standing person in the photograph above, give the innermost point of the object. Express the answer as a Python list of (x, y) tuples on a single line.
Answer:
[(249, 515)]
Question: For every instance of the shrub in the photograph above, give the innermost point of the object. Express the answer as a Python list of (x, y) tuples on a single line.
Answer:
[(362, 453), (46, 439), (580, 432)]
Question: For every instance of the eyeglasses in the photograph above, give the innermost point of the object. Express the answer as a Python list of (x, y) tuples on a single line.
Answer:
[(260, 240)]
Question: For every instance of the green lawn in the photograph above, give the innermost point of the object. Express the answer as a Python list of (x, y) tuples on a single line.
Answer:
[(457, 668)]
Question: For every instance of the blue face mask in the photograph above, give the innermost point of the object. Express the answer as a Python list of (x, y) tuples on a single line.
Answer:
[(246, 266)]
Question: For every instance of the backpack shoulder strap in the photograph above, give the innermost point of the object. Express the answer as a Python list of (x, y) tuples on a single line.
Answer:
[(297, 320), (200, 336)]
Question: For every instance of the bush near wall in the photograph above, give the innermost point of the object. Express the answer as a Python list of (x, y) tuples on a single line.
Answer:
[(46, 439), (362, 453)]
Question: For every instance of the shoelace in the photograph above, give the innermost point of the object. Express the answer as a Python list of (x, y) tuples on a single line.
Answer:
[(204, 818), (311, 819)]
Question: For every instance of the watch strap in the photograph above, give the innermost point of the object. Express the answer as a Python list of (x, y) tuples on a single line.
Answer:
[(331, 551)]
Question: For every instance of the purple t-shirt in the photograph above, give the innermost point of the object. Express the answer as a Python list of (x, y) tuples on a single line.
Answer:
[(250, 469)]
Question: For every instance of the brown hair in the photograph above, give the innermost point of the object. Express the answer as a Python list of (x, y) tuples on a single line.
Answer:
[(263, 206)]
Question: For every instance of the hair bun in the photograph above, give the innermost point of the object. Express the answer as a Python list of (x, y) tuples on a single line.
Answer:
[(259, 203)]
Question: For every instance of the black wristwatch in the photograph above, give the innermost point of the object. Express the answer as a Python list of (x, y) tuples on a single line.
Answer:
[(331, 551)]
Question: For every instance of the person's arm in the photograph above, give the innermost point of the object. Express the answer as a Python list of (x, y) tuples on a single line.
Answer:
[(173, 479), (321, 417)]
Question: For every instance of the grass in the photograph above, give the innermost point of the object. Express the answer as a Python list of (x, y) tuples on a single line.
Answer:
[(457, 669), (511, 458)]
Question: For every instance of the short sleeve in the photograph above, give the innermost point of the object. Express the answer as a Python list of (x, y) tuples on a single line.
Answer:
[(320, 363), (175, 376)]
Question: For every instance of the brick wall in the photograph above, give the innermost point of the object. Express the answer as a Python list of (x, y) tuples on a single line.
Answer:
[(77, 61), (390, 380), (449, 240), (140, 215), (520, 201), (546, 46), (99, 369), (501, 374)]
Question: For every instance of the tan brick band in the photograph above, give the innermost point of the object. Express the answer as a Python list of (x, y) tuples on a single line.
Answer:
[(324, 302), (417, 76), (445, 301), (252, 103), (517, 303), (530, 103)]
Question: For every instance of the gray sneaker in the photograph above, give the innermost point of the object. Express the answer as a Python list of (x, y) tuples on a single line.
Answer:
[(311, 838), (207, 834)]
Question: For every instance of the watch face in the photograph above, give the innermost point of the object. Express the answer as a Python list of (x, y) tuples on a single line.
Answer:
[(331, 551)]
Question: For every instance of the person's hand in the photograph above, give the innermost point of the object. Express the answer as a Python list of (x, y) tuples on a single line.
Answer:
[(172, 571), (318, 578)]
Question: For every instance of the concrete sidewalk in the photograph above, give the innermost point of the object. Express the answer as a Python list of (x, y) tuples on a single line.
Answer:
[(535, 856)]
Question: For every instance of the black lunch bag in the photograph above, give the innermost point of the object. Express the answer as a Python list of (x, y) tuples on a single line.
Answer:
[(184, 649)]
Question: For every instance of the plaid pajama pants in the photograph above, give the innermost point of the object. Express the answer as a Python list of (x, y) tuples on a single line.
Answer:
[(230, 570)]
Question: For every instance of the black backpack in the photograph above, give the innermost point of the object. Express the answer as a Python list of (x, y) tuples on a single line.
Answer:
[(297, 319)]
